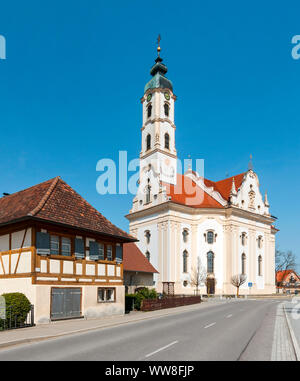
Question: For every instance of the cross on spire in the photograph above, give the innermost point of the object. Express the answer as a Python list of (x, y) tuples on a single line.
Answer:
[(158, 44)]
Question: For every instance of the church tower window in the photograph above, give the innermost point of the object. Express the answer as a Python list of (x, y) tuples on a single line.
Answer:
[(147, 235), (149, 111), (210, 262), (167, 141), (148, 192), (148, 142), (243, 239), (167, 109)]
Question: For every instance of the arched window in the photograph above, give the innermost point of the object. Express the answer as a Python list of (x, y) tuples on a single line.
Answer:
[(149, 110), (259, 242), (185, 234), (167, 141), (210, 237), (147, 235), (167, 109), (210, 262), (147, 255), (185, 261), (259, 265), (244, 264), (148, 142), (243, 239)]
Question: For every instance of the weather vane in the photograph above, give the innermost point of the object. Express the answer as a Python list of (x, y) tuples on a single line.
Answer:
[(158, 44)]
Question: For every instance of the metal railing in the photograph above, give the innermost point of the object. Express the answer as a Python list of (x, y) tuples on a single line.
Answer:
[(14, 321)]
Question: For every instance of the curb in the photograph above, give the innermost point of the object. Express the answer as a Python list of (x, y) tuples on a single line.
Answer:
[(294, 340)]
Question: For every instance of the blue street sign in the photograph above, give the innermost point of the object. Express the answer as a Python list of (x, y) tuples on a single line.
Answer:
[(250, 284)]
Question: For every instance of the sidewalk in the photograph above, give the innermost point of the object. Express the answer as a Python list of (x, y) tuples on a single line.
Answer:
[(68, 327), (283, 348)]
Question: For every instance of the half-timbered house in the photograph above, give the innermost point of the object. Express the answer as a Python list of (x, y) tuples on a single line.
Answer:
[(63, 254)]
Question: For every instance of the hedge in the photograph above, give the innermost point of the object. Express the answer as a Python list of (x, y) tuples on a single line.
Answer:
[(136, 299), (17, 308)]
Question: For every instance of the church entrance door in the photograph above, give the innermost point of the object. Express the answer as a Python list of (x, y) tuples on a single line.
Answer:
[(210, 286)]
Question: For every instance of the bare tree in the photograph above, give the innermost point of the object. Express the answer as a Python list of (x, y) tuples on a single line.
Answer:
[(284, 260), (237, 281), (198, 276)]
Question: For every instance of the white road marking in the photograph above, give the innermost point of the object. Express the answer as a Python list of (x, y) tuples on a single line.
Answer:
[(210, 325), (228, 316), (161, 349)]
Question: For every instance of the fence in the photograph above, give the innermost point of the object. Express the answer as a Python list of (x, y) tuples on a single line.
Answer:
[(14, 321), (169, 302)]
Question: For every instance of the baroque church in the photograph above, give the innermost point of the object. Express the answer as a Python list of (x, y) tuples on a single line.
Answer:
[(191, 227)]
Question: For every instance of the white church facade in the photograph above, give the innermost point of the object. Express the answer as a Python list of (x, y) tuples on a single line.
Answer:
[(183, 220)]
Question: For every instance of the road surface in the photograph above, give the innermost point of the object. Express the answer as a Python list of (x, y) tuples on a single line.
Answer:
[(235, 330)]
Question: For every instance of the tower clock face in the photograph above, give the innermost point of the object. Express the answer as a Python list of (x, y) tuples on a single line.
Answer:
[(149, 96), (167, 96)]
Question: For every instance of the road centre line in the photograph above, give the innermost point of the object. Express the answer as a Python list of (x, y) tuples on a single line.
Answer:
[(161, 349), (209, 325)]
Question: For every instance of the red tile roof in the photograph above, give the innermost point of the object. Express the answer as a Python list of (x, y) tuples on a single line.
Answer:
[(135, 260), (55, 201), (186, 192), (281, 275)]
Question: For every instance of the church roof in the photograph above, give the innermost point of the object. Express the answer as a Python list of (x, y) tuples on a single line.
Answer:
[(159, 80), (186, 192), (55, 201)]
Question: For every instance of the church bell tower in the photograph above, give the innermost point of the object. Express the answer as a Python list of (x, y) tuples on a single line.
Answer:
[(158, 156)]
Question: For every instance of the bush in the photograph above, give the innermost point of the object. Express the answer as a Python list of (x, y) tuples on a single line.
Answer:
[(138, 297), (17, 308)]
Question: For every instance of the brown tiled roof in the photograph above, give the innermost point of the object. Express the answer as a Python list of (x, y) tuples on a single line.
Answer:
[(134, 259), (55, 201)]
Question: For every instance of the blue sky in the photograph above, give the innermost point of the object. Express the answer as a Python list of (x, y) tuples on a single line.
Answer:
[(71, 85)]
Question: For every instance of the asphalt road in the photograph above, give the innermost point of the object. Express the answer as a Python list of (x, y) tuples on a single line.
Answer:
[(236, 330)]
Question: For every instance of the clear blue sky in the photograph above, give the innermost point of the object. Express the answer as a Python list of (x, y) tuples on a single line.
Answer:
[(70, 92)]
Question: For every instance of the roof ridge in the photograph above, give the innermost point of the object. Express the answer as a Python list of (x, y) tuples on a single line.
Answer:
[(45, 197)]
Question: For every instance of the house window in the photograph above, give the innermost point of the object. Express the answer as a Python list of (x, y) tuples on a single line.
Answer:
[(185, 261), (260, 265), (243, 239), (185, 234), (54, 245), (210, 262), (167, 109), (149, 111), (148, 255), (167, 141), (148, 142), (210, 237), (109, 252), (65, 246), (243, 264), (147, 235), (101, 250), (106, 295)]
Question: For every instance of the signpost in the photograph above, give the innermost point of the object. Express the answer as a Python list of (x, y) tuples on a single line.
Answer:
[(250, 284)]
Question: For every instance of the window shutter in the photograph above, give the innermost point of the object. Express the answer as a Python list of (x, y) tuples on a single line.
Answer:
[(94, 251), (42, 243), (119, 254), (79, 248)]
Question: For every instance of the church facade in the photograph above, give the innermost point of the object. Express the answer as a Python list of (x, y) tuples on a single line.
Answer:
[(187, 224)]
